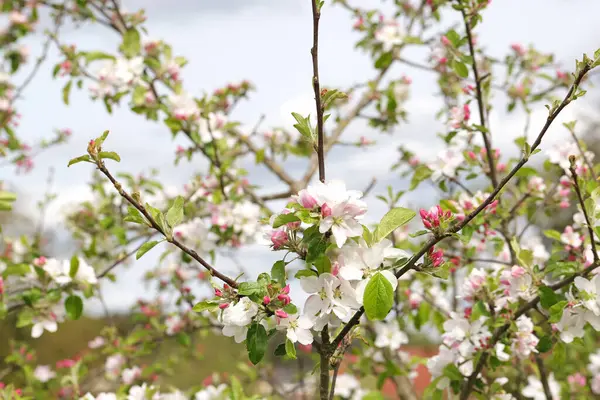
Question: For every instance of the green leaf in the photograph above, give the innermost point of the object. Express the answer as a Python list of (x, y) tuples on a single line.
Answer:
[(110, 155), (100, 140), (66, 91), (278, 272), (205, 305), (422, 172), (460, 69), (548, 297), (74, 306), (373, 396), (451, 371), (378, 298), (237, 392), (384, 60), (256, 342), (367, 235), (249, 288), (175, 213), (552, 234), (556, 311), (290, 349), (303, 273), (145, 248), (133, 215), (453, 37), (183, 339), (283, 219), (393, 219), (545, 344), (280, 350), (74, 267), (303, 126), (131, 45), (85, 157)]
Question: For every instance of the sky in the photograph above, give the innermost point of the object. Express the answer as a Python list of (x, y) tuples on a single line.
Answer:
[(268, 43)]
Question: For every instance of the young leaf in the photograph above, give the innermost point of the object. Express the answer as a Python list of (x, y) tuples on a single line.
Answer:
[(205, 305), (133, 215), (74, 306), (378, 298), (85, 157), (393, 219), (290, 349), (278, 272), (74, 266), (131, 45), (460, 69), (110, 155), (283, 219), (256, 342), (175, 213), (145, 248), (66, 91), (548, 297)]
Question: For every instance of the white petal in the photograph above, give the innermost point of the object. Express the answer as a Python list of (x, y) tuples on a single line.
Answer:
[(310, 284), (37, 330), (391, 278)]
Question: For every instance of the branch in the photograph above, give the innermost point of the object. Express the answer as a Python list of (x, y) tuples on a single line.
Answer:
[(583, 209), (316, 12), (158, 228), (480, 105)]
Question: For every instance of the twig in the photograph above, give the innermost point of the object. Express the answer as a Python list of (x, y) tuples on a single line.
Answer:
[(543, 376), (480, 105), (316, 12), (158, 228), (585, 159), (583, 209)]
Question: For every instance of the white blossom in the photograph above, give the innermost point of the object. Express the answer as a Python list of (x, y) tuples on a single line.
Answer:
[(535, 390), (43, 373), (389, 335)]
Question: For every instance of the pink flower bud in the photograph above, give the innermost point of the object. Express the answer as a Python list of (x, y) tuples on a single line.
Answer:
[(325, 211), (471, 155), (281, 314), (40, 261), (1, 286), (279, 238), (306, 200), (218, 293), (266, 300), (284, 298), (223, 306), (517, 271), (335, 269), (564, 204), (286, 289), (445, 41), (423, 213), (427, 224)]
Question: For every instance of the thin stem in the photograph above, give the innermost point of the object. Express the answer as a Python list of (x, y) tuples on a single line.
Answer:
[(316, 12), (480, 104), (585, 159), (583, 209), (543, 376), (157, 227), (336, 370)]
